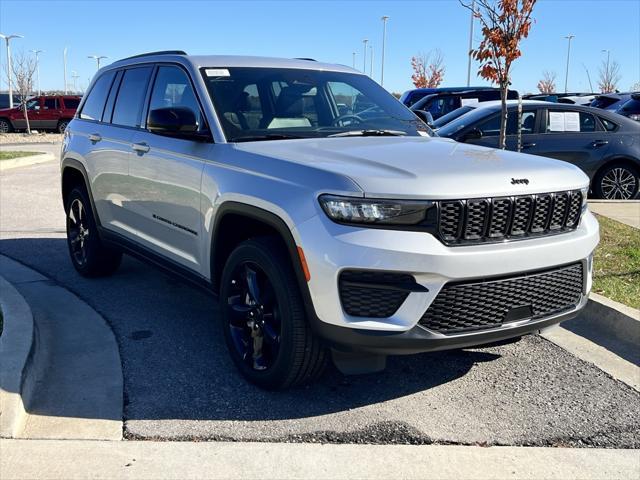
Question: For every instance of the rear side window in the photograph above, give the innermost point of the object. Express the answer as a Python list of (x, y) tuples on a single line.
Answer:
[(133, 89), (50, 103), (94, 104), (608, 125), (567, 121), (71, 103)]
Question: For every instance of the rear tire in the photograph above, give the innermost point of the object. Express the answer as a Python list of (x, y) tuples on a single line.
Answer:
[(618, 181), (88, 255), (62, 125), (5, 126), (263, 318)]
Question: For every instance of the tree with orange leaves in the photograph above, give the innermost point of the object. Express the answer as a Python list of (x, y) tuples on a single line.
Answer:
[(428, 72), (504, 24)]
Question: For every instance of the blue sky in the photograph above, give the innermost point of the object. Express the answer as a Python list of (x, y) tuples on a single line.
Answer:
[(326, 30)]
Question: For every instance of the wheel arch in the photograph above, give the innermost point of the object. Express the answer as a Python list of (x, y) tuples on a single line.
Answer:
[(73, 173), (247, 221)]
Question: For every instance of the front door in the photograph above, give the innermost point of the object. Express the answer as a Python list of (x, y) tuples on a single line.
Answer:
[(49, 113), (165, 174)]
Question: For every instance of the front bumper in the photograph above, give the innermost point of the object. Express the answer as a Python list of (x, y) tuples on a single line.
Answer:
[(331, 248)]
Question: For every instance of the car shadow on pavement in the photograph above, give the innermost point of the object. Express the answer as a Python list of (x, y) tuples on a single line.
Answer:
[(175, 363)]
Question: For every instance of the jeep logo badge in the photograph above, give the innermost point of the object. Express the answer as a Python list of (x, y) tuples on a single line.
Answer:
[(516, 181)]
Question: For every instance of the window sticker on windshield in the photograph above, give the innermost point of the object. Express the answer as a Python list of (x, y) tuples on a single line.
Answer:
[(556, 122), (217, 72), (571, 122), (468, 101)]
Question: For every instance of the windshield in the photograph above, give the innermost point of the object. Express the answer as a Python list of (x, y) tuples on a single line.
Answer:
[(276, 103), (464, 121), (458, 112)]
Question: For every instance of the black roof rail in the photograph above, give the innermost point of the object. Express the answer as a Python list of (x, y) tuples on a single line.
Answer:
[(161, 52), (304, 58)]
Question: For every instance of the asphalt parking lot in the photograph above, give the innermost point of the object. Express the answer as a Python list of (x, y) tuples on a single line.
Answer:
[(180, 383)]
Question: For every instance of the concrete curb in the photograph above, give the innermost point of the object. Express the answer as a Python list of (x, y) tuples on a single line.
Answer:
[(620, 321), (33, 459), (16, 349), (25, 161)]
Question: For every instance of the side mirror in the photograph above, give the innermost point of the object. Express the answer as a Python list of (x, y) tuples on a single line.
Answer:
[(175, 122), (473, 134), (426, 117)]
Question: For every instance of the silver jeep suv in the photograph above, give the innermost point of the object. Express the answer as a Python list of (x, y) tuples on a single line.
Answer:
[(324, 215)]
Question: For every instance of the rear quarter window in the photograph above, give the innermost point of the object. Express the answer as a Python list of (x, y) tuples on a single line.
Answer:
[(94, 105), (608, 125)]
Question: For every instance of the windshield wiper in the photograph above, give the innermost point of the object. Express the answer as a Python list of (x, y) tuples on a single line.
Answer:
[(266, 136), (370, 133)]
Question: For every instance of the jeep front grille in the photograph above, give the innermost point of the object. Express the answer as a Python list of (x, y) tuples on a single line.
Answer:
[(482, 220), (477, 305)]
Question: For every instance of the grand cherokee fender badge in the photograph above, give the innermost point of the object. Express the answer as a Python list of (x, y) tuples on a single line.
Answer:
[(516, 181)]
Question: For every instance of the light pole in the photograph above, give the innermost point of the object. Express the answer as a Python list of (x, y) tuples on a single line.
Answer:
[(97, 58), (75, 77), (566, 75), (37, 54), (354, 59), (364, 56), (64, 68), (588, 77), (7, 38), (371, 63), (473, 10), (384, 40)]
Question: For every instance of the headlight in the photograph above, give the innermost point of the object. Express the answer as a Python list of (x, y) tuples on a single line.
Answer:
[(374, 211)]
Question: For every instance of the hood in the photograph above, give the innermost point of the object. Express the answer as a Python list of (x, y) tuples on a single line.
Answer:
[(422, 167)]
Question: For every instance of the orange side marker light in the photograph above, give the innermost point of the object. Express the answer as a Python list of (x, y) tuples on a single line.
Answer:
[(305, 267)]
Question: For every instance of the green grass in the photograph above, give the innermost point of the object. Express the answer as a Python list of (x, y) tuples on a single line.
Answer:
[(10, 155), (616, 264)]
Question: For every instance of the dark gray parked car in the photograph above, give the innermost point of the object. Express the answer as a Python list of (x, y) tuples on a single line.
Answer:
[(603, 144)]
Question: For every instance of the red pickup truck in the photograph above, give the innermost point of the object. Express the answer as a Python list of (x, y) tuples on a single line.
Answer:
[(46, 112)]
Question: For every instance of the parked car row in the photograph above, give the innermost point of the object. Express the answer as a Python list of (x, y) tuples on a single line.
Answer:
[(45, 112), (605, 145)]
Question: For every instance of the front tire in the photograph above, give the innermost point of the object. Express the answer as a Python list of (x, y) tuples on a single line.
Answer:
[(619, 181), (88, 255), (263, 319)]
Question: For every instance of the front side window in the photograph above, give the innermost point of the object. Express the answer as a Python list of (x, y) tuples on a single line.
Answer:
[(33, 104), (172, 88), (490, 127), (133, 88), (94, 104), (269, 103)]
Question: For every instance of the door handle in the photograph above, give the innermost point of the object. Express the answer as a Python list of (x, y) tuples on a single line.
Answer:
[(94, 137), (528, 145), (140, 147), (600, 143)]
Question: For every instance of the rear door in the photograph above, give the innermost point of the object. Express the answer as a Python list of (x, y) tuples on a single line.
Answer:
[(165, 175), (572, 135), (50, 113)]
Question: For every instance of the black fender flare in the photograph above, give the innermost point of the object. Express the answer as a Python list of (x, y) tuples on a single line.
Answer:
[(280, 226), (72, 163)]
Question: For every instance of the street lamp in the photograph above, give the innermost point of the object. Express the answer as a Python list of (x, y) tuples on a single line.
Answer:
[(473, 12), (364, 56), (371, 63), (566, 76), (37, 53), (7, 38), (354, 59), (384, 39), (75, 77), (97, 58)]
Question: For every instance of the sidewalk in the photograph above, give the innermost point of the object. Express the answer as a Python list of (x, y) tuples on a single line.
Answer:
[(623, 211), (59, 459)]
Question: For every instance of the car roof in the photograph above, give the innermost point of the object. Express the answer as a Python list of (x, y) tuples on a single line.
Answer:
[(200, 61), (495, 104)]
